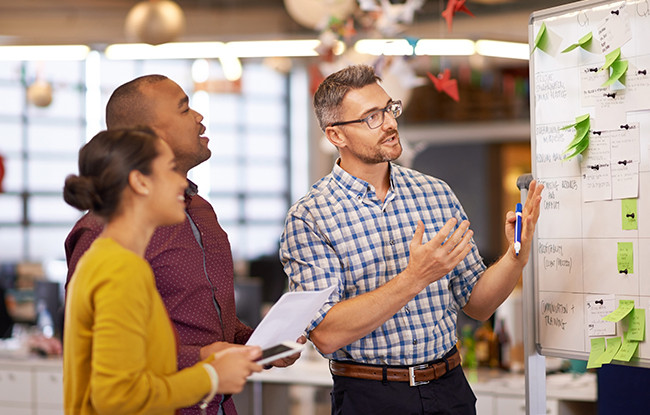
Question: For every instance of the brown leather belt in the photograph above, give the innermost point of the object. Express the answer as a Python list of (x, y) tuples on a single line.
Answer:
[(415, 375)]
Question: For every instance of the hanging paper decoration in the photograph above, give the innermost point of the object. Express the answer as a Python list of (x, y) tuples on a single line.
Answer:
[(581, 140), (388, 18), (453, 7), (39, 93), (315, 14), (444, 83), (155, 22)]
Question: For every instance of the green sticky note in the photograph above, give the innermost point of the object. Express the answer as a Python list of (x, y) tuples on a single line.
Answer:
[(619, 69), (625, 258), (624, 308), (636, 326), (627, 350), (629, 214), (610, 58), (597, 349), (580, 141), (613, 345), (541, 40), (583, 42)]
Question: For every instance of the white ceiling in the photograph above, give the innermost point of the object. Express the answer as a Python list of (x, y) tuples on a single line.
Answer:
[(101, 22)]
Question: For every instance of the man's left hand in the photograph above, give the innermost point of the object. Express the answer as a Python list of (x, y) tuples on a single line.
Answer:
[(289, 360)]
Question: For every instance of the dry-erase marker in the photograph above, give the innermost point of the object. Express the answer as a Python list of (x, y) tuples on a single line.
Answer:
[(518, 229)]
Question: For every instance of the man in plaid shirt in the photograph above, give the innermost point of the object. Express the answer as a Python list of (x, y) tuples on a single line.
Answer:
[(397, 245)]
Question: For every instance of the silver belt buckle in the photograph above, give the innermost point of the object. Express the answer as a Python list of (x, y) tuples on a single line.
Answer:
[(412, 380)]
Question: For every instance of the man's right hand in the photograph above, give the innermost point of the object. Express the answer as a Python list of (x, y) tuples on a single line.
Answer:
[(234, 365), (433, 260)]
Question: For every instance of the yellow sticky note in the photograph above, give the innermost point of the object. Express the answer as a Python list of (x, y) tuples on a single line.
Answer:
[(613, 345), (636, 326), (624, 308), (625, 258), (597, 349), (629, 214), (627, 350)]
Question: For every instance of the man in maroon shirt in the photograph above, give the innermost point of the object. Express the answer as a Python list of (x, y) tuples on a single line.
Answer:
[(192, 262)]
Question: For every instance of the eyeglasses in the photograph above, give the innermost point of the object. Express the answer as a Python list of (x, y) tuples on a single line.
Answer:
[(376, 118)]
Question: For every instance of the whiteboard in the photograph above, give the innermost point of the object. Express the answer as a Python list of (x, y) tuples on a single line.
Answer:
[(580, 242)]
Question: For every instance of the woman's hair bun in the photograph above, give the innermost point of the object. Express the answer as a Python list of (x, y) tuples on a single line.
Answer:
[(80, 193)]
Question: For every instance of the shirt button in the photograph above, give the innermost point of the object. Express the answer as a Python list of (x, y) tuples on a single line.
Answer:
[(392, 242), (415, 341), (359, 197)]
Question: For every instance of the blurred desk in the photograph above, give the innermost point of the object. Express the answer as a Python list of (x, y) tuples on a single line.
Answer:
[(497, 392)]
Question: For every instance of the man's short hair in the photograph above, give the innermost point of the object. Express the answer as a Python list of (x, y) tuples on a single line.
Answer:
[(128, 106), (332, 90)]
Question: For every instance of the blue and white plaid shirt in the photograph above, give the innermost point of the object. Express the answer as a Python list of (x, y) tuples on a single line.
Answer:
[(341, 234)]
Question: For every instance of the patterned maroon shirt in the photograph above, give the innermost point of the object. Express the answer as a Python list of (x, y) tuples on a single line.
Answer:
[(187, 276)]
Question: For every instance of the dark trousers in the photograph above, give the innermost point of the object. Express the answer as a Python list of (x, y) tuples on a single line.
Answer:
[(451, 394)]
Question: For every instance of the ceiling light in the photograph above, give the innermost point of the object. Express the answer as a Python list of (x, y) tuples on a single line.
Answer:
[(444, 47), (44, 53), (423, 47), (274, 48), (177, 50), (388, 47), (499, 49)]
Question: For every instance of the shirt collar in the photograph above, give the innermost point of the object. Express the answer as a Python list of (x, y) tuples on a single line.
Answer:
[(190, 191), (354, 184)]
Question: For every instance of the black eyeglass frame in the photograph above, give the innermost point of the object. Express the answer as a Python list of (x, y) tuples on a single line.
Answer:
[(382, 111)]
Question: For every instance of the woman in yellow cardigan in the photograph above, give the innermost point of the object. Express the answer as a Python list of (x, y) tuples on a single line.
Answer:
[(119, 352)]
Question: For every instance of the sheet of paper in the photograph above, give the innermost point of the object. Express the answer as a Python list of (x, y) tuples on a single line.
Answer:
[(624, 308), (597, 349), (289, 317), (637, 82), (615, 30), (596, 169), (599, 306), (625, 156)]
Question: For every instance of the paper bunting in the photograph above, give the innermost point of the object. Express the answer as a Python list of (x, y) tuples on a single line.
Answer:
[(583, 42), (581, 140), (444, 83), (453, 7), (617, 67)]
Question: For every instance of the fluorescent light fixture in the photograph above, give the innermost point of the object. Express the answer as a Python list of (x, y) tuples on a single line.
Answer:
[(176, 50), (44, 53), (388, 47), (401, 47), (444, 47), (499, 49), (275, 48), (206, 50)]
